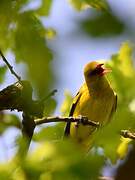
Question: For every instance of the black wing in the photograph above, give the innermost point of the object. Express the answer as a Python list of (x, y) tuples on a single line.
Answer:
[(67, 128), (114, 107)]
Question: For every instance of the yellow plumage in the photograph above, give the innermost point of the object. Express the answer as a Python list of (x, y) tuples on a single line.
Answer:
[(95, 100)]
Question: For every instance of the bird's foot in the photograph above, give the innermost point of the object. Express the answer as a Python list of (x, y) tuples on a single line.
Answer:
[(83, 120), (87, 122)]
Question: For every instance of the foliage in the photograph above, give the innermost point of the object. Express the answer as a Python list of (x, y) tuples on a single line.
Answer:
[(109, 137), (53, 161), (102, 24), (45, 7), (2, 73), (28, 44), (98, 4), (8, 121), (122, 70), (23, 33), (62, 158), (65, 107)]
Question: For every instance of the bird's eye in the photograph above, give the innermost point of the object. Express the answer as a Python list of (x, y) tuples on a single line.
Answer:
[(93, 72), (97, 71)]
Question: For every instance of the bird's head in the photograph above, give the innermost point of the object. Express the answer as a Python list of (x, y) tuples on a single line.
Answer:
[(95, 69), (94, 73)]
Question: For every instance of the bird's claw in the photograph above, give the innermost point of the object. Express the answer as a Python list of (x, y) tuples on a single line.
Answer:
[(83, 120)]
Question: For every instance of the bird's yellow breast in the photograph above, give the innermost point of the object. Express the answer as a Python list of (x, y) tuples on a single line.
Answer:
[(96, 107)]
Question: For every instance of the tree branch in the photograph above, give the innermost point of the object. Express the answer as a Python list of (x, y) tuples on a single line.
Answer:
[(127, 134), (28, 126), (52, 93), (9, 66), (81, 119)]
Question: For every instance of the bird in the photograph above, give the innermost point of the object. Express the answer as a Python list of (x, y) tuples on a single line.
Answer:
[(95, 100)]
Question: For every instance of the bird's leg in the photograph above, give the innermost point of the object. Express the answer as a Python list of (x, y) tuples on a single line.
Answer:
[(83, 120), (87, 122), (79, 121)]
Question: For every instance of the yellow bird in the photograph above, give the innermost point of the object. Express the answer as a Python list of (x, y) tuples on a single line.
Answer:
[(96, 100)]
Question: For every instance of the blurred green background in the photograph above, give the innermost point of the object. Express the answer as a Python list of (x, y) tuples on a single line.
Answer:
[(48, 43)]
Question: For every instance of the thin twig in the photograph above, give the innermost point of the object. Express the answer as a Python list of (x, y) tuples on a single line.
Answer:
[(106, 178), (49, 95), (9, 66), (81, 119), (127, 134)]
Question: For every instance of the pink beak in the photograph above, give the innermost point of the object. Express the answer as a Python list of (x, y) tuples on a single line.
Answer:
[(103, 69)]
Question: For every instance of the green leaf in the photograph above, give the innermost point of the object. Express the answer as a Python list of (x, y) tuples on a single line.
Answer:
[(84, 4), (8, 121), (30, 47), (5, 172), (2, 73), (8, 13), (50, 33), (66, 105), (44, 10), (53, 132), (103, 24), (50, 106), (99, 4), (62, 159)]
